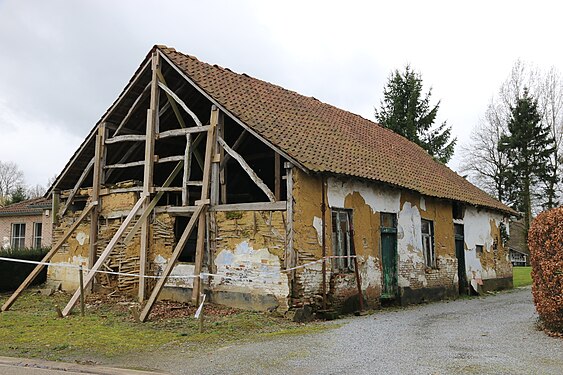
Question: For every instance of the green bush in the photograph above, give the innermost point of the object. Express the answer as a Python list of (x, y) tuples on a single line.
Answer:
[(545, 241)]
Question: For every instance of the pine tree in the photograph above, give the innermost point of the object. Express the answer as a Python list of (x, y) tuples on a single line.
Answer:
[(408, 112), (529, 147)]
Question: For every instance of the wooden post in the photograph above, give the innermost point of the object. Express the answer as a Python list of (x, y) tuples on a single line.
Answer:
[(196, 291), (187, 170), (29, 279), (81, 278), (55, 201), (152, 124), (290, 259), (277, 176), (99, 157)]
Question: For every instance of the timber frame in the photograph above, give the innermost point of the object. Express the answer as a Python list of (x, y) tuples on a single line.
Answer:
[(185, 160)]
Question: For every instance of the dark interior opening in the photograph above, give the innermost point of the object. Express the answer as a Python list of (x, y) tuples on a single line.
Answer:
[(188, 252)]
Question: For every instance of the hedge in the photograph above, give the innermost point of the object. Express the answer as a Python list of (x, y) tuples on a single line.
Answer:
[(545, 241), (12, 274)]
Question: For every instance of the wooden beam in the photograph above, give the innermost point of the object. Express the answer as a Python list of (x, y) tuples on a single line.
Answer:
[(187, 169), (199, 211), (180, 102), (167, 189), (201, 226), (125, 165), (126, 138), (290, 259), (99, 158), (107, 191), (29, 279), (253, 176), (125, 157), (277, 176), (169, 159), (151, 131), (171, 100), (182, 132), (256, 206), (236, 145), (153, 203), (105, 254), (77, 186)]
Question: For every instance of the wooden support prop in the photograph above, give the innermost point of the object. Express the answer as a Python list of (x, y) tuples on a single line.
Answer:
[(81, 281), (77, 186), (105, 254), (151, 130), (153, 203), (201, 226), (253, 176), (29, 279), (180, 102), (126, 138), (182, 132), (200, 211)]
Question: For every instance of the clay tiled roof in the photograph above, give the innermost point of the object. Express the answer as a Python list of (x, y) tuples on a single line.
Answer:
[(324, 138), (26, 208)]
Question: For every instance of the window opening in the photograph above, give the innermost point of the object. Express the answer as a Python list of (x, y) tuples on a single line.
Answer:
[(341, 240), (428, 243), (18, 236), (37, 237)]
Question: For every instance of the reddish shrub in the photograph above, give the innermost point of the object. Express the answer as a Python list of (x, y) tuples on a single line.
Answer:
[(545, 241)]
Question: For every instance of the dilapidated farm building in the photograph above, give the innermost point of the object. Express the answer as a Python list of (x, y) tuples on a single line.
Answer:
[(198, 170)]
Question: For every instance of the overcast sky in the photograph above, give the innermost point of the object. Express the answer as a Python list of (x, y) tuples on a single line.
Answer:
[(63, 63)]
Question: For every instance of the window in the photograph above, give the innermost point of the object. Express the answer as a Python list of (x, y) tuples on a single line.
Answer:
[(479, 249), (18, 236), (428, 243), (342, 241), (37, 229)]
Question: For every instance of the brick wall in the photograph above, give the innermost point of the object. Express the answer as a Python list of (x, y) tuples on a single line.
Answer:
[(6, 228)]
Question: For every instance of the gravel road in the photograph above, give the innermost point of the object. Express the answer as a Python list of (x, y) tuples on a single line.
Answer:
[(490, 335)]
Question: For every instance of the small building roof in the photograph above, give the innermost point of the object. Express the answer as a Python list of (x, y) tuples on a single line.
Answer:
[(28, 207)]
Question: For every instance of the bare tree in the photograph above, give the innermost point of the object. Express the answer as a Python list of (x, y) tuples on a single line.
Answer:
[(36, 191), (11, 177), (484, 164)]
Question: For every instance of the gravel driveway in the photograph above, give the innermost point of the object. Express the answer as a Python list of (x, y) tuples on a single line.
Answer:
[(490, 335)]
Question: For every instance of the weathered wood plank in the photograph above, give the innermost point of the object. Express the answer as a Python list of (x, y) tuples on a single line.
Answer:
[(169, 159), (29, 279), (257, 206), (182, 132), (253, 176), (125, 165), (236, 145), (187, 169), (126, 138), (104, 254)]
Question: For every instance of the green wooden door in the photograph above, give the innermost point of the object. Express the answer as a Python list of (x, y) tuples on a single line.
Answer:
[(460, 255), (389, 255)]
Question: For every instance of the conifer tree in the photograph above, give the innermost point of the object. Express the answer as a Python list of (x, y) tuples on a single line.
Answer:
[(528, 146), (407, 111)]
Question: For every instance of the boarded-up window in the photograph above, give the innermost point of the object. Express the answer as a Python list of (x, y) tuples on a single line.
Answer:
[(342, 247), (427, 229)]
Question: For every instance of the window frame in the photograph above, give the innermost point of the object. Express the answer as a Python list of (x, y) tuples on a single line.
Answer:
[(37, 240), (428, 248), (342, 265), (17, 242)]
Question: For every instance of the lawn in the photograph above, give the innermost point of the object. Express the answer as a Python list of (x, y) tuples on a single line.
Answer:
[(521, 276), (108, 330)]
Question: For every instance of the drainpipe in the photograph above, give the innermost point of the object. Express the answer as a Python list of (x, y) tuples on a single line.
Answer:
[(323, 230)]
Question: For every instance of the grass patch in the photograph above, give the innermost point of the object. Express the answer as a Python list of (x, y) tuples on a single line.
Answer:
[(521, 276), (32, 329)]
